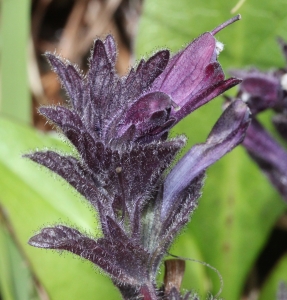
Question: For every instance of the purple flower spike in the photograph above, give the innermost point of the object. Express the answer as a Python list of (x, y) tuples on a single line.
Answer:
[(120, 126)]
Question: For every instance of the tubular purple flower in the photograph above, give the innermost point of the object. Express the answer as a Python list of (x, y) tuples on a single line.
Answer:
[(193, 76), (227, 133)]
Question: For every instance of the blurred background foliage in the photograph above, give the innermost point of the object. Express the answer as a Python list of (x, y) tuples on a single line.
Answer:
[(240, 227)]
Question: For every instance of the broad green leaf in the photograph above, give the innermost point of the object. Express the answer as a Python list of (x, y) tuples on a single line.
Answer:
[(15, 99), (239, 206), (279, 274), (34, 198), (15, 279)]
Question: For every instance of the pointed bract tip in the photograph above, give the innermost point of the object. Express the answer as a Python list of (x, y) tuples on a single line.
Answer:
[(225, 24), (36, 242)]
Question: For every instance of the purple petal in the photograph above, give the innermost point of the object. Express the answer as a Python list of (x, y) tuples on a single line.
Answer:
[(204, 96), (227, 133), (146, 106), (213, 73), (268, 154), (155, 128), (189, 62), (259, 90)]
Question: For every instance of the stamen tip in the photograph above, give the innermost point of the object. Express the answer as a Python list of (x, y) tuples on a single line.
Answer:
[(225, 24)]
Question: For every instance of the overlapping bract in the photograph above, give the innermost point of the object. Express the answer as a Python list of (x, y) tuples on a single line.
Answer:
[(263, 91), (119, 127)]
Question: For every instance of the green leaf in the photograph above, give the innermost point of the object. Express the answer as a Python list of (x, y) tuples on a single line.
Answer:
[(239, 205), (15, 279), (278, 275), (34, 198), (14, 93)]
